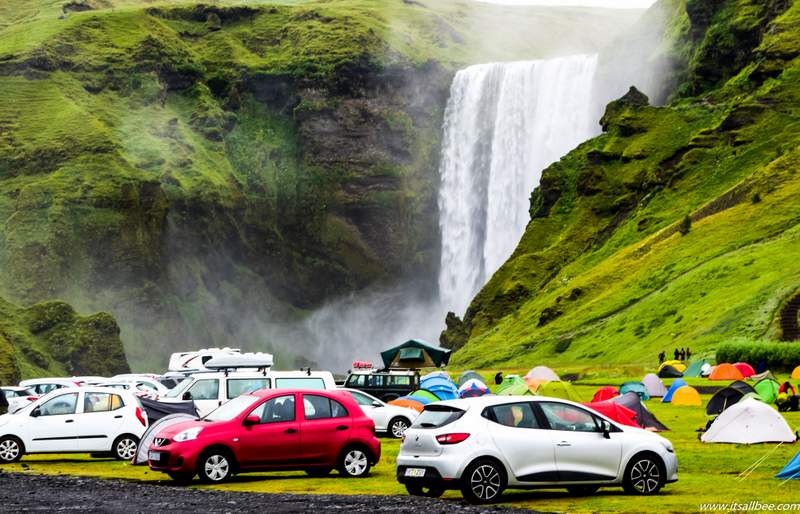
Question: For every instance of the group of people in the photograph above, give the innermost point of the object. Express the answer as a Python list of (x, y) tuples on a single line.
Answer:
[(681, 354), (787, 399)]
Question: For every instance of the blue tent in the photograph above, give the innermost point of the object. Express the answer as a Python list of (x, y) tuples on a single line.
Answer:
[(635, 387), (472, 388), (792, 470), (678, 383), (442, 387)]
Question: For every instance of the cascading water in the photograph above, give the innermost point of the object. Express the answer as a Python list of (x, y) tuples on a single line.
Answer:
[(504, 123)]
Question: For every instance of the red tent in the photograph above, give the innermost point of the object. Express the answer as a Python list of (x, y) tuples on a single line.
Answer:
[(616, 412), (745, 369), (605, 393)]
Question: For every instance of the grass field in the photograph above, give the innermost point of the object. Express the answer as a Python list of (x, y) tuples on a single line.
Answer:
[(707, 473)]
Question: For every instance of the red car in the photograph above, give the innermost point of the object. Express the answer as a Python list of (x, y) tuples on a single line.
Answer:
[(270, 430)]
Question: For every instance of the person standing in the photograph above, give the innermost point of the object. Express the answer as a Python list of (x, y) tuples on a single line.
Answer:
[(677, 354), (498, 379), (661, 357), (688, 354)]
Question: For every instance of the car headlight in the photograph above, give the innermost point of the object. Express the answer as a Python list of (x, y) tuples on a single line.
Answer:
[(189, 434)]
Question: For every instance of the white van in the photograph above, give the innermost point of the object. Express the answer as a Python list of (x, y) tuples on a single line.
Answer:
[(209, 390)]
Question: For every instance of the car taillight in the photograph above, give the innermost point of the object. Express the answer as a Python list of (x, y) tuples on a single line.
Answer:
[(451, 438), (140, 417), (32, 398)]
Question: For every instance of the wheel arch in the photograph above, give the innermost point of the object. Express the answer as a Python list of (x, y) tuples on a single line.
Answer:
[(217, 447), (20, 440), (491, 458), (361, 445)]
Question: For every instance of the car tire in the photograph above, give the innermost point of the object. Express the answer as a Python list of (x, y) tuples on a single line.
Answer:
[(11, 449), (644, 475), (124, 447), (180, 478), (354, 462), (397, 426), (583, 490), (318, 472), (429, 491), (483, 481), (215, 466)]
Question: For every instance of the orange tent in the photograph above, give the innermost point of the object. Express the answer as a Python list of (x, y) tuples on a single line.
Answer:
[(686, 395), (726, 371), (796, 373), (534, 383), (411, 404)]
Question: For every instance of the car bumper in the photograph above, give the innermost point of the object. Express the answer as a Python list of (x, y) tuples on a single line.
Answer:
[(671, 463), (436, 469), (172, 458)]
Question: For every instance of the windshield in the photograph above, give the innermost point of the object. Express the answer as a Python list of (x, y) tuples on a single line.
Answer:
[(232, 409), (435, 416), (178, 389)]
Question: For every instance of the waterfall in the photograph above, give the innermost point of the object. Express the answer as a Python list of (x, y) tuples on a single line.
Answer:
[(504, 123)]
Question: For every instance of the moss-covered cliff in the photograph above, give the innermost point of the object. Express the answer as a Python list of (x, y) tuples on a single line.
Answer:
[(192, 168), (608, 268)]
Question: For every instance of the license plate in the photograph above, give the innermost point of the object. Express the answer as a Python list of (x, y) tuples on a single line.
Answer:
[(154, 456), (415, 472)]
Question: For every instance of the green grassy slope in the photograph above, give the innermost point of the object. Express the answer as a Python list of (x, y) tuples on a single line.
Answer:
[(191, 167), (603, 273)]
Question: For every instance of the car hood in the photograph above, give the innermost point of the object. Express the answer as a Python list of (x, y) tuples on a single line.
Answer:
[(172, 430)]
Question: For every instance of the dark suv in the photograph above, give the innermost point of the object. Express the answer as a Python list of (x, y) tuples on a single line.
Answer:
[(386, 385)]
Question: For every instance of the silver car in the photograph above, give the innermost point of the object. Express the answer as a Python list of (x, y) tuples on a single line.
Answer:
[(485, 445)]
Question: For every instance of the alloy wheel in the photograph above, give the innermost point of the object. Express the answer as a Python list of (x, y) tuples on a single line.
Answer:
[(355, 462), (126, 448), (217, 467), (9, 450), (645, 476), (485, 482), (398, 427)]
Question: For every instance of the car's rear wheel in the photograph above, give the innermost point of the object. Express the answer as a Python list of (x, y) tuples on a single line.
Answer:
[(11, 449), (354, 462), (215, 466), (125, 447), (430, 491), (318, 472), (397, 426), (644, 475), (583, 490), (483, 481)]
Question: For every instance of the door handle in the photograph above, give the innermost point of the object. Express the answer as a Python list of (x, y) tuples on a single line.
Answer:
[(69, 421), (342, 427), (563, 443), (118, 416), (290, 431)]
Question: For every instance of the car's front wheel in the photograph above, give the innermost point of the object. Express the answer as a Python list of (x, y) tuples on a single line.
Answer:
[(483, 481), (11, 449), (215, 466), (644, 475), (397, 426), (125, 447), (430, 491), (354, 462)]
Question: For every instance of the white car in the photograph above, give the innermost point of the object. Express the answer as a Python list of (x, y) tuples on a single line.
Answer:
[(391, 419), (138, 388), (74, 420), (18, 397), (42, 386), (485, 445)]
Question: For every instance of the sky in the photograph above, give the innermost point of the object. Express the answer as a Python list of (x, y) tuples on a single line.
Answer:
[(617, 4)]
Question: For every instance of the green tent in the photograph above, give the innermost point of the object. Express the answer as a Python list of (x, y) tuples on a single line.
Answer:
[(755, 396), (563, 390), (424, 393), (516, 389), (415, 354), (767, 389), (510, 381), (695, 368)]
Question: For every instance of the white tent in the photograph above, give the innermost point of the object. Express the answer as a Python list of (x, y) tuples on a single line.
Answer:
[(655, 387), (747, 422), (543, 373)]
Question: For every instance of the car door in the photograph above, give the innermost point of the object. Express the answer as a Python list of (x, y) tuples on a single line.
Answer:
[(523, 440), (51, 425), (99, 421), (377, 414), (583, 453), (205, 394), (275, 441), (325, 429)]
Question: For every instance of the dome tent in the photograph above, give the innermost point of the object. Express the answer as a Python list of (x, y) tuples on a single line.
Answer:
[(745, 369), (644, 417), (543, 373), (686, 395), (669, 371), (791, 470), (767, 389), (796, 373), (723, 399), (467, 375), (748, 422), (513, 385), (695, 369), (408, 402), (605, 393), (636, 387), (472, 388), (442, 387), (654, 385), (726, 371), (563, 390), (423, 396), (678, 383), (615, 411)]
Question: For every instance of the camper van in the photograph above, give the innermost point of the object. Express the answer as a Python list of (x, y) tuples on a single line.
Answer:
[(188, 362)]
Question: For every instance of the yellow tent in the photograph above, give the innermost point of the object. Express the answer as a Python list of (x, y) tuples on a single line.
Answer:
[(686, 395), (678, 365), (796, 373)]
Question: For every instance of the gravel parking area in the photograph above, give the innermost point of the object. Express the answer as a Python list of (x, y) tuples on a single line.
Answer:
[(39, 493)]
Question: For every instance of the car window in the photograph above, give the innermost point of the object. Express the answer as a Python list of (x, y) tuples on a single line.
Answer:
[(207, 389), (229, 410), (517, 415), (101, 402), (357, 381), (435, 416), (400, 380), (276, 410), (361, 398), (322, 407), (561, 416), (240, 386), (299, 383), (376, 380), (60, 405), (116, 402)]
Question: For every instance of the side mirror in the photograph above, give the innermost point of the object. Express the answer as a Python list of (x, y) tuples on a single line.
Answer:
[(606, 429), (251, 420), (35, 413), (187, 395), (377, 404)]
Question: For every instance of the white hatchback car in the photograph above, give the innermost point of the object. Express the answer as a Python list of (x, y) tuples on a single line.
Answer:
[(485, 445), (391, 419), (74, 420)]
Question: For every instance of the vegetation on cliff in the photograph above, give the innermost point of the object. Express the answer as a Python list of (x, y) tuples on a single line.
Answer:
[(609, 268)]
